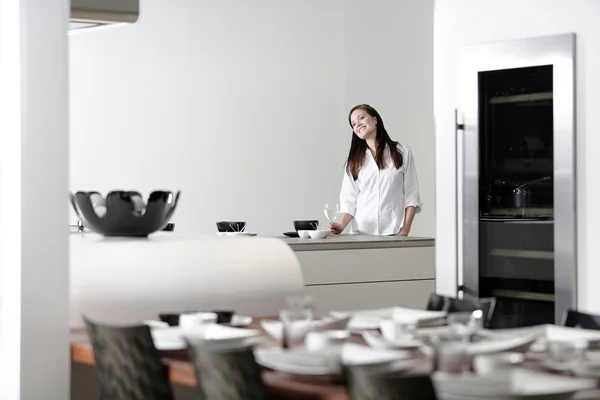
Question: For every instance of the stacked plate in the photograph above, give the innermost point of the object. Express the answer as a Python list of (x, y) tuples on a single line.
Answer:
[(173, 338), (329, 361), (274, 328), (370, 319), (516, 383)]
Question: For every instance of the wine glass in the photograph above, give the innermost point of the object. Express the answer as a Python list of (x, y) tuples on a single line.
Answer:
[(331, 211)]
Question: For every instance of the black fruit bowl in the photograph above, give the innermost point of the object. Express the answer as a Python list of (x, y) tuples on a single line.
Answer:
[(309, 225), (123, 216), (231, 226)]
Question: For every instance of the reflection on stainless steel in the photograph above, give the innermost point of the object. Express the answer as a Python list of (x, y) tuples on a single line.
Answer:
[(521, 98), (557, 51), (458, 127), (542, 255), (515, 294), (533, 211)]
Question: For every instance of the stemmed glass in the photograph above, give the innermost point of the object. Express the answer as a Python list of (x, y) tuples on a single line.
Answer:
[(331, 211)]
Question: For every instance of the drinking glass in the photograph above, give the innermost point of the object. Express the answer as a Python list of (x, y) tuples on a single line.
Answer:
[(405, 326), (466, 324), (449, 353), (331, 211), (295, 326), (301, 302), (567, 353)]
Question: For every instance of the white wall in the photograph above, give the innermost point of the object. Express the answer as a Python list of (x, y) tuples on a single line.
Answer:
[(473, 21), (34, 329), (243, 105), (389, 64)]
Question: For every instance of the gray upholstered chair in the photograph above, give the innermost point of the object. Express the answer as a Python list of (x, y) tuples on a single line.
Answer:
[(226, 373), (381, 383), (128, 366)]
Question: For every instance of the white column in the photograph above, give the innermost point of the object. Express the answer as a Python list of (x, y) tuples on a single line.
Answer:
[(34, 336)]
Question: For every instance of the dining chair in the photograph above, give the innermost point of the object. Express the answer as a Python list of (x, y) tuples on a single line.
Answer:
[(576, 319), (487, 305), (381, 383), (437, 302), (128, 366), (226, 373)]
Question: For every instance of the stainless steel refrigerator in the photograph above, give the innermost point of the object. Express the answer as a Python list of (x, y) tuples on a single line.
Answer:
[(516, 137)]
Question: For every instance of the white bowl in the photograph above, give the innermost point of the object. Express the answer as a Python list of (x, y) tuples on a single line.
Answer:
[(189, 322), (320, 234), (318, 341), (303, 234), (487, 364)]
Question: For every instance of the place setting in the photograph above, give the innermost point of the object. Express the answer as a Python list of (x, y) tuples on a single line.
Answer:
[(311, 229), (233, 229), (219, 327), (307, 346)]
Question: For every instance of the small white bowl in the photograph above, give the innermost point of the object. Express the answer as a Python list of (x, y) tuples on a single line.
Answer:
[(303, 234), (190, 322), (487, 364), (318, 341), (320, 234)]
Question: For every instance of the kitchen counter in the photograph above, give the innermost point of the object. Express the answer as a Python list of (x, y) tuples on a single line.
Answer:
[(361, 272), (341, 272), (355, 242)]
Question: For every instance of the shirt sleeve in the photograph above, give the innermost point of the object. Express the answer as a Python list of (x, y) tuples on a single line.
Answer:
[(348, 194), (412, 198)]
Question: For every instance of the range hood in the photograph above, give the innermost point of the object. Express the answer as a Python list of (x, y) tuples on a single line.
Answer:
[(86, 14)]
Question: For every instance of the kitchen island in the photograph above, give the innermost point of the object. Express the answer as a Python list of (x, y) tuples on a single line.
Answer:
[(348, 272), (172, 272)]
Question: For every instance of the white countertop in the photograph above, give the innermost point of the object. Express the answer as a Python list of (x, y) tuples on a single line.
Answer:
[(343, 242)]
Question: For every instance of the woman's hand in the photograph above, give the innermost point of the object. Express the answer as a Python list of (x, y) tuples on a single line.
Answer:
[(335, 228), (402, 233)]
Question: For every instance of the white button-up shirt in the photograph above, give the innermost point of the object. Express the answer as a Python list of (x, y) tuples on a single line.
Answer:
[(378, 198)]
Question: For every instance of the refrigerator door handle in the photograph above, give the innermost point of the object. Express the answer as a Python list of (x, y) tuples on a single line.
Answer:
[(458, 127)]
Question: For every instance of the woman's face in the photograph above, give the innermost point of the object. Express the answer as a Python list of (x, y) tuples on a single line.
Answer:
[(363, 124)]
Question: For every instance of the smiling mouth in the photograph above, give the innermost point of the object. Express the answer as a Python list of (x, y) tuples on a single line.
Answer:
[(362, 128)]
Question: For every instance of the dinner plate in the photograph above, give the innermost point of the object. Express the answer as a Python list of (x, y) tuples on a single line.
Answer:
[(240, 320), (302, 362)]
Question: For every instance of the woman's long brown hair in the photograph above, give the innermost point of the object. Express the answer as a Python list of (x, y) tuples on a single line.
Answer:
[(358, 147)]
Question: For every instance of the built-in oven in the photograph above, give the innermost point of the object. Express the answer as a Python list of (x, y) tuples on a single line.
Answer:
[(516, 130)]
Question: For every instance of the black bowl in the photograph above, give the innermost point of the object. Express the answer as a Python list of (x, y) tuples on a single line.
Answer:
[(126, 213), (224, 316), (231, 226), (170, 318), (173, 318), (309, 225)]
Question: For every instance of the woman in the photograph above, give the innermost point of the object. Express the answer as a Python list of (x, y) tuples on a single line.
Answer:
[(380, 192)]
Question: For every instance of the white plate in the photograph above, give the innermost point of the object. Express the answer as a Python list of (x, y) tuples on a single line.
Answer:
[(370, 319), (236, 234), (515, 383), (518, 344), (376, 340), (172, 338), (554, 332), (274, 328), (302, 362), (240, 320)]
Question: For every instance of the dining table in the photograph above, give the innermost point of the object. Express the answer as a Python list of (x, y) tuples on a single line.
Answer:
[(279, 385)]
